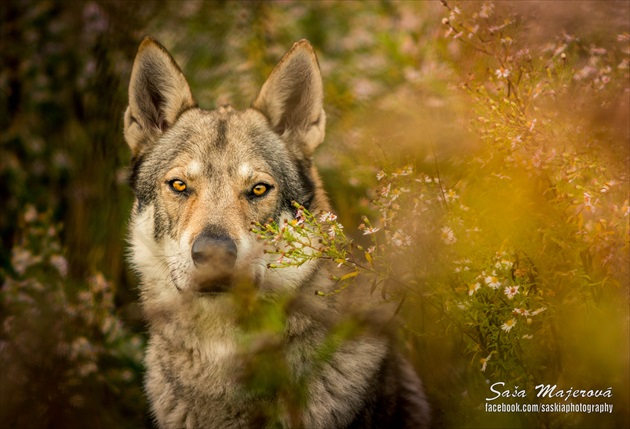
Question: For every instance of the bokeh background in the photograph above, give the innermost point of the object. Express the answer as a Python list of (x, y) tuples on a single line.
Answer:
[(501, 129)]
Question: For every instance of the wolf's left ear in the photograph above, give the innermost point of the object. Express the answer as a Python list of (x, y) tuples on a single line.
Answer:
[(293, 96), (158, 94)]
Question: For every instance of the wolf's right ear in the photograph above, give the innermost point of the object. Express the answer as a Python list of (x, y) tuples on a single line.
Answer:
[(158, 94)]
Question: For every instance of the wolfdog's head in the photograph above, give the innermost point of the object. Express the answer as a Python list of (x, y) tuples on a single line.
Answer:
[(202, 177)]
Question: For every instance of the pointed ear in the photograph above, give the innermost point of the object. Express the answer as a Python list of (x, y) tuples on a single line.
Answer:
[(158, 94), (292, 98)]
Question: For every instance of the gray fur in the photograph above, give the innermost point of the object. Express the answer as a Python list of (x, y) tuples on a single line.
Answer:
[(193, 173)]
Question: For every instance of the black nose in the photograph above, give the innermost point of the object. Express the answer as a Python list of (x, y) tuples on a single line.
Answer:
[(212, 249)]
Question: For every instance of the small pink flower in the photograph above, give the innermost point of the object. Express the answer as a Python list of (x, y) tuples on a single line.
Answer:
[(521, 312), (332, 231), (511, 291), (370, 230), (385, 191), (327, 217), (502, 73)]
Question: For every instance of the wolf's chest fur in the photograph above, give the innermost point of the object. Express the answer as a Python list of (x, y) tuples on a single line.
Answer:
[(201, 178), (196, 380)]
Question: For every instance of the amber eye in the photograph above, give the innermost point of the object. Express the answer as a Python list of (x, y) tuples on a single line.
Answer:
[(177, 185), (260, 189)]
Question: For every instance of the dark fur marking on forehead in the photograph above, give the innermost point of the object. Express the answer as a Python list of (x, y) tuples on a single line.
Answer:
[(221, 140)]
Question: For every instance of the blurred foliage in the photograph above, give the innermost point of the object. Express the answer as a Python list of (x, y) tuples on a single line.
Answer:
[(487, 143), (65, 357)]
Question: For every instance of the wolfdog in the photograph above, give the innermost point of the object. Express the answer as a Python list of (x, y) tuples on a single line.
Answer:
[(201, 178)]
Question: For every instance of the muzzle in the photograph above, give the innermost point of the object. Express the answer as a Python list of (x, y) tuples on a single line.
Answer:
[(214, 255)]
